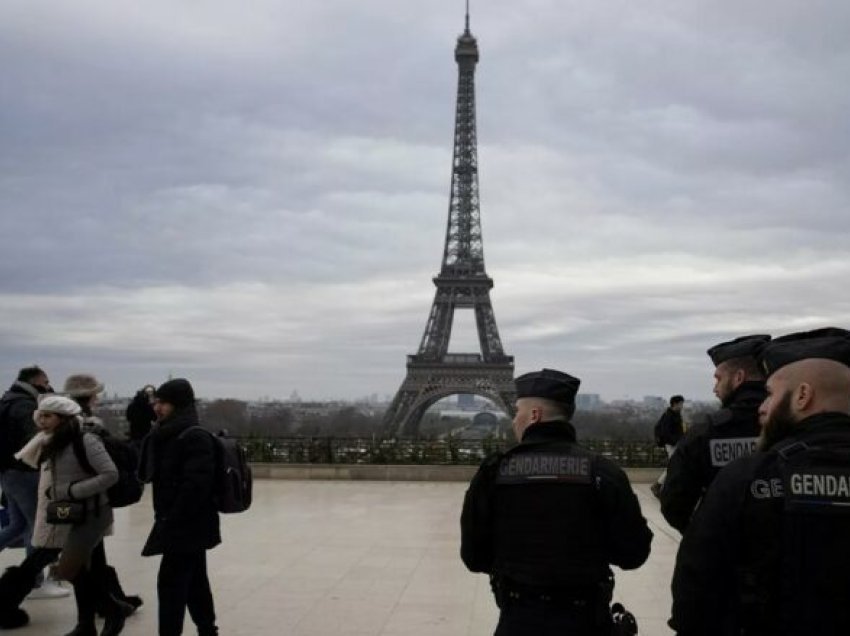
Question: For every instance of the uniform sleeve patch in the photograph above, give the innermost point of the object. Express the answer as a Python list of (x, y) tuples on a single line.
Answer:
[(726, 450), (534, 468)]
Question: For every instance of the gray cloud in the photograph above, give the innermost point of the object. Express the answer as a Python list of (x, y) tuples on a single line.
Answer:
[(257, 198)]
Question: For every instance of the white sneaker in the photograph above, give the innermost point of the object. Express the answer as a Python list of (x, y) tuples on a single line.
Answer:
[(48, 589)]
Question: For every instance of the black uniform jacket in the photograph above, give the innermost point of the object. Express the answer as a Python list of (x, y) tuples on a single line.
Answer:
[(551, 513), (732, 570), (182, 471), (729, 433)]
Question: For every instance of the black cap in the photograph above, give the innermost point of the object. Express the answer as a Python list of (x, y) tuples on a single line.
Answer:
[(177, 392), (829, 343), (743, 347), (548, 384)]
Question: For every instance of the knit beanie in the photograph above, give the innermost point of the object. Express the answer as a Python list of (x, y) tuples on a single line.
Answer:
[(82, 385), (177, 392), (58, 404)]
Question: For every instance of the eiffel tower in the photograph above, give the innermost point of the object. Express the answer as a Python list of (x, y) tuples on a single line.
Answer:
[(433, 373)]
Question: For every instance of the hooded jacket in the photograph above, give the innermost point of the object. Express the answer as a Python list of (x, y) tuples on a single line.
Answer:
[(180, 464)]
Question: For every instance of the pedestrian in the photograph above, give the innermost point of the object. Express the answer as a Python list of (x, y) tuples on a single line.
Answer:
[(85, 390), (19, 481), (668, 431), (139, 413), (64, 482), (178, 459), (547, 518), (767, 551), (726, 434)]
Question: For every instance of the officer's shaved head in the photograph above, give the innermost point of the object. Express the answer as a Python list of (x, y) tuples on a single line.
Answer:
[(821, 385), (799, 390), (532, 410)]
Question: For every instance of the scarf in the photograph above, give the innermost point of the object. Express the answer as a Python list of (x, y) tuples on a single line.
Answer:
[(31, 451)]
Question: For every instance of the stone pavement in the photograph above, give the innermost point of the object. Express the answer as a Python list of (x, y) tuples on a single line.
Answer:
[(328, 558)]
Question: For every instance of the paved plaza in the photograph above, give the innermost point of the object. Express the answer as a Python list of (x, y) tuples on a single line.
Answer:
[(327, 558)]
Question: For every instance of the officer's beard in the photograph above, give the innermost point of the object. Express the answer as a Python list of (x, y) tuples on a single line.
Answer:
[(780, 425)]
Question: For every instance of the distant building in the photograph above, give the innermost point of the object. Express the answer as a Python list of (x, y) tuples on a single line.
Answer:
[(588, 402)]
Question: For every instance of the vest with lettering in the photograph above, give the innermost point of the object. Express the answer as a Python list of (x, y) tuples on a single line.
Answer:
[(797, 522), (547, 530), (734, 430)]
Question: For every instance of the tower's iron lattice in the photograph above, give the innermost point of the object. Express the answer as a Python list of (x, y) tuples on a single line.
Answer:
[(433, 373)]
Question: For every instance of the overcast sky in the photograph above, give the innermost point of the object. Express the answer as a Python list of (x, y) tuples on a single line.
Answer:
[(254, 195)]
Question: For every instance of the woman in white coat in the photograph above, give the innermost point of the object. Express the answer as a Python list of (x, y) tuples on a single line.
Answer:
[(64, 479)]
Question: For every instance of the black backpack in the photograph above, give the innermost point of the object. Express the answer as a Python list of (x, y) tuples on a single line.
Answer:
[(233, 478), (128, 489)]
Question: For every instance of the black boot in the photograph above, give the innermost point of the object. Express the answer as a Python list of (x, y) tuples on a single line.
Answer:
[(114, 612), (115, 617), (15, 584), (128, 604), (84, 596)]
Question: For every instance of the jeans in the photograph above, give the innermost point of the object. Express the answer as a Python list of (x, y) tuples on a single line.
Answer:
[(21, 490), (183, 583)]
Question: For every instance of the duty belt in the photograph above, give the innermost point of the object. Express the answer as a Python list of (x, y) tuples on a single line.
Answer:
[(557, 595)]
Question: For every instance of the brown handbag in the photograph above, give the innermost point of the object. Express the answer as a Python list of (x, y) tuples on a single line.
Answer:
[(66, 512)]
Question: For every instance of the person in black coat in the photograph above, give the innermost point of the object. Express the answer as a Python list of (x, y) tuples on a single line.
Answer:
[(668, 431), (178, 458), (726, 435), (140, 414), (547, 518), (767, 551)]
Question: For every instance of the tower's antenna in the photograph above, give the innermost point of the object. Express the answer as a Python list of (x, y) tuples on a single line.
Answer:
[(467, 16)]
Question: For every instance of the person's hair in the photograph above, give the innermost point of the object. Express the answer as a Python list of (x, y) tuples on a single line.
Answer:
[(560, 409), (748, 365), (676, 399), (30, 373), (69, 427), (85, 403)]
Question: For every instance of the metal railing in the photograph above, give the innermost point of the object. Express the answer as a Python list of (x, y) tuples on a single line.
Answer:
[(340, 450)]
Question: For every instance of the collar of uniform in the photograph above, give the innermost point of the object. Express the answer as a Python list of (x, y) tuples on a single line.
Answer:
[(543, 431), (815, 426), (749, 393)]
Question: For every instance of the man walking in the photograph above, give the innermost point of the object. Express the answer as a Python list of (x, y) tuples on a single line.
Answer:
[(668, 431), (179, 459)]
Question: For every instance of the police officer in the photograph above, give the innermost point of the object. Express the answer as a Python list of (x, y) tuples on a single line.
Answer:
[(546, 518), (767, 551), (726, 434)]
